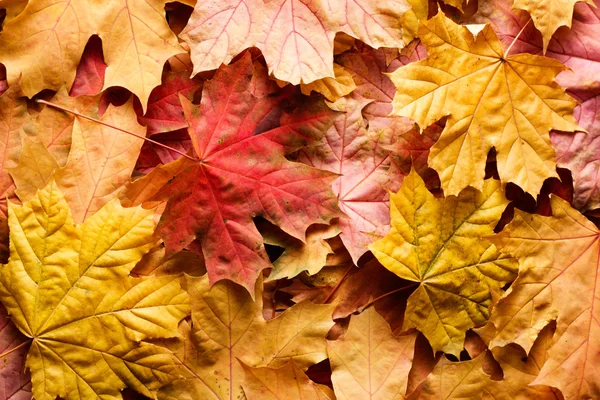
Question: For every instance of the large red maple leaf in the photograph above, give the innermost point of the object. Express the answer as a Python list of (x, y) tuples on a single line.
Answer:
[(240, 134)]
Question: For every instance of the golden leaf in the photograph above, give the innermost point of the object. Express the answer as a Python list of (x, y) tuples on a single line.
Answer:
[(439, 243), (228, 326), (558, 279), (287, 382), (67, 287), (369, 362), (491, 101)]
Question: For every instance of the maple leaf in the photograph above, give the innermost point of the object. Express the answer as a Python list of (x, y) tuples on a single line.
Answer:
[(519, 91), (100, 161), (549, 15), (86, 317), (46, 41), (369, 361), (520, 369), (579, 50), (287, 382), (456, 380), (228, 325), (369, 68), (241, 175), (558, 279), (15, 382), (295, 36), (439, 243), (366, 172), (299, 256)]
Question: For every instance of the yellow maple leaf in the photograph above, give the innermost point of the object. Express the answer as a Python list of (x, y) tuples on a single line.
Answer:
[(369, 362), (559, 278), (439, 243), (229, 326), (67, 287), (510, 103), (549, 15)]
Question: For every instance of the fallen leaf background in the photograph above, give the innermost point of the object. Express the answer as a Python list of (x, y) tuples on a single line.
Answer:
[(299, 199)]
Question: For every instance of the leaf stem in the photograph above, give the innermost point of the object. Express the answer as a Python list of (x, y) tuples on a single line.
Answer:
[(370, 303), (330, 295), (15, 348), (516, 37), (114, 127)]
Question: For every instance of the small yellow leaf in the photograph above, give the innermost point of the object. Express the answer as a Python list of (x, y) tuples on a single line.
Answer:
[(67, 287), (332, 88), (298, 256), (440, 244)]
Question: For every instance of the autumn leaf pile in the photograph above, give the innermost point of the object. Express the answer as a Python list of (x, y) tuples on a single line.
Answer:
[(300, 199)]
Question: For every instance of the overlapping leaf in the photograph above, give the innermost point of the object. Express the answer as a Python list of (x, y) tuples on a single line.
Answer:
[(228, 325), (441, 245), (295, 36), (241, 175), (46, 41), (67, 288), (369, 362), (558, 279), (15, 382), (366, 172), (578, 49), (511, 104)]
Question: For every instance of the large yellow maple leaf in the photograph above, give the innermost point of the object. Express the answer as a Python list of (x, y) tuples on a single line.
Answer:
[(559, 278), (67, 287), (440, 245), (510, 103)]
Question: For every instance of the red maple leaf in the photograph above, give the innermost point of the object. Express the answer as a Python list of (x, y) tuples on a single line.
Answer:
[(240, 134)]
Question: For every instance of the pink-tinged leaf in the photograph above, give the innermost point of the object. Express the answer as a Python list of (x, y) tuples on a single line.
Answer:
[(579, 49), (366, 173), (295, 36), (15, 382), (242, 174), (90, 71), (368, 67), (580, 153), (164, 108)]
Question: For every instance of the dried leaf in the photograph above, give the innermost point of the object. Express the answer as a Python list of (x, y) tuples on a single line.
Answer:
[(86, 317), (518, 91), (440, 244)]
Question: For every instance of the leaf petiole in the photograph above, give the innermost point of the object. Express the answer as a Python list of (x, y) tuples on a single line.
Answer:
[(516, 37), (114, 127)]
